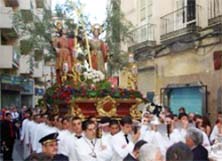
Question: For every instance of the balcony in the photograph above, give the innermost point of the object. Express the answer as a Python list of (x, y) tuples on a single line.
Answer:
[(6, 24), (215, 12), (143, 38), (11, 57), (11, 3), (143, 34), (182, 22)]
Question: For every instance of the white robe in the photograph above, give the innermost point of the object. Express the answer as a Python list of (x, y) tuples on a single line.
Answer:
[(214, 134), (106, 142), (86, 150), (174, 137), (154, 137), (36, 136), (27, 139), (206, 141), (23, 129), (67, 144), (120, 147), (32, 128), (62, 143)]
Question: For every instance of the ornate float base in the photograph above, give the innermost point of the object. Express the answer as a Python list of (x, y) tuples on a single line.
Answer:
[(100, 107)]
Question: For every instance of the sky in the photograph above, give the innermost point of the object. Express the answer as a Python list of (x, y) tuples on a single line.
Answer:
[(95, 9)]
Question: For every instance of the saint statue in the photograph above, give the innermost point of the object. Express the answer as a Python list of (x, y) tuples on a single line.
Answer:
[(98, 49), (64, 57)]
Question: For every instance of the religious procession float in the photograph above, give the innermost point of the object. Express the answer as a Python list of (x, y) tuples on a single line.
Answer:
[(82, 86)]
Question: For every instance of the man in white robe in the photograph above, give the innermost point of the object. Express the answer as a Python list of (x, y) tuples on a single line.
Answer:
[(44, 129), (27, 139), (153, 136), (89, 148), (67, 139), (104, 125), (123, 141), (22, 137)]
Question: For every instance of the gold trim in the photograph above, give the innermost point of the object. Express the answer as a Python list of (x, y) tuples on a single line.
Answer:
[(134, 111), (76, 111), (100, 107)]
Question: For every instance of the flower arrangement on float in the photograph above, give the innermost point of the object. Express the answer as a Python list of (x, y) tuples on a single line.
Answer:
[(99, 88), (93, 75)]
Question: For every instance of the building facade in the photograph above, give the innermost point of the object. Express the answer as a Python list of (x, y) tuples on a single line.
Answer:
[(22, 78), (178, 48)]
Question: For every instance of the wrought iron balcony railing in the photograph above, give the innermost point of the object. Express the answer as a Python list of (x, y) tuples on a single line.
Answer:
[(143, 33), (187, 17), (214, 11)]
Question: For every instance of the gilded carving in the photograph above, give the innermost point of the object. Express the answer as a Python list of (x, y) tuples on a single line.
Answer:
[(106, 107), (134, 110)]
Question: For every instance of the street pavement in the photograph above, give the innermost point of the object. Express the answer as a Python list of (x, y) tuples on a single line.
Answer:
[(17, 152)]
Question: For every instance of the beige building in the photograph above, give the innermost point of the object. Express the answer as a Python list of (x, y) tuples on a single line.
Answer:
[(178, 48), (19, 74)]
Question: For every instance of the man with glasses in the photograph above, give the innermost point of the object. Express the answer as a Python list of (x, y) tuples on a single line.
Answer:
[(89, 147)]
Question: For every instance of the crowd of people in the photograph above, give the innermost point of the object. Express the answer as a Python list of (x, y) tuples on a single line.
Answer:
[(164, 137)]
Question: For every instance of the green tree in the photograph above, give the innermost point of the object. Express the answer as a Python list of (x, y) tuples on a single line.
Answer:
[(35, 32), (117, 29)]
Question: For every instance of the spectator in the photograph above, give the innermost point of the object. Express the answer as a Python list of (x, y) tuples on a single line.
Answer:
[(150, 152), (206, 125), (191, 118), (194, 139), (134, 156), (179, 152), (14, 113), (181, 110), (8, 137), (216, 132), (198, 121)]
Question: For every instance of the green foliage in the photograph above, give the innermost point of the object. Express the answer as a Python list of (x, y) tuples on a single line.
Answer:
[(117, 28), (35, 32)]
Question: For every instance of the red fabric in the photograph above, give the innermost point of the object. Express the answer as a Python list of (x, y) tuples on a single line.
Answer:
[(70, 43), (11, 130), (94, 61), (104, 51)]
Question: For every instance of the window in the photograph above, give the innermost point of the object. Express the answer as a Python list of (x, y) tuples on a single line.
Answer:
[(142, 10), (145, 10)]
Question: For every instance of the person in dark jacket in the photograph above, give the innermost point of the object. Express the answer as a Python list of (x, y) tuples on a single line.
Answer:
[(179, 152), (194, 139), (135, 154), (50, 148), (8, 137)]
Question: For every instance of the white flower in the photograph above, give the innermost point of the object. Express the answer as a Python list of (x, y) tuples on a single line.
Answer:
[(102, 77)]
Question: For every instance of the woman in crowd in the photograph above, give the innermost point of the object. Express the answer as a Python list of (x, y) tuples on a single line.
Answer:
[(217, 130)]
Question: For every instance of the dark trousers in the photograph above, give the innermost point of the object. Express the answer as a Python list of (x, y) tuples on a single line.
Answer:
[(7, 153)]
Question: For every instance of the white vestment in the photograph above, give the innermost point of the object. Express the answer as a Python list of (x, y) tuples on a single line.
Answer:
[(120, 147), (88, 151)]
